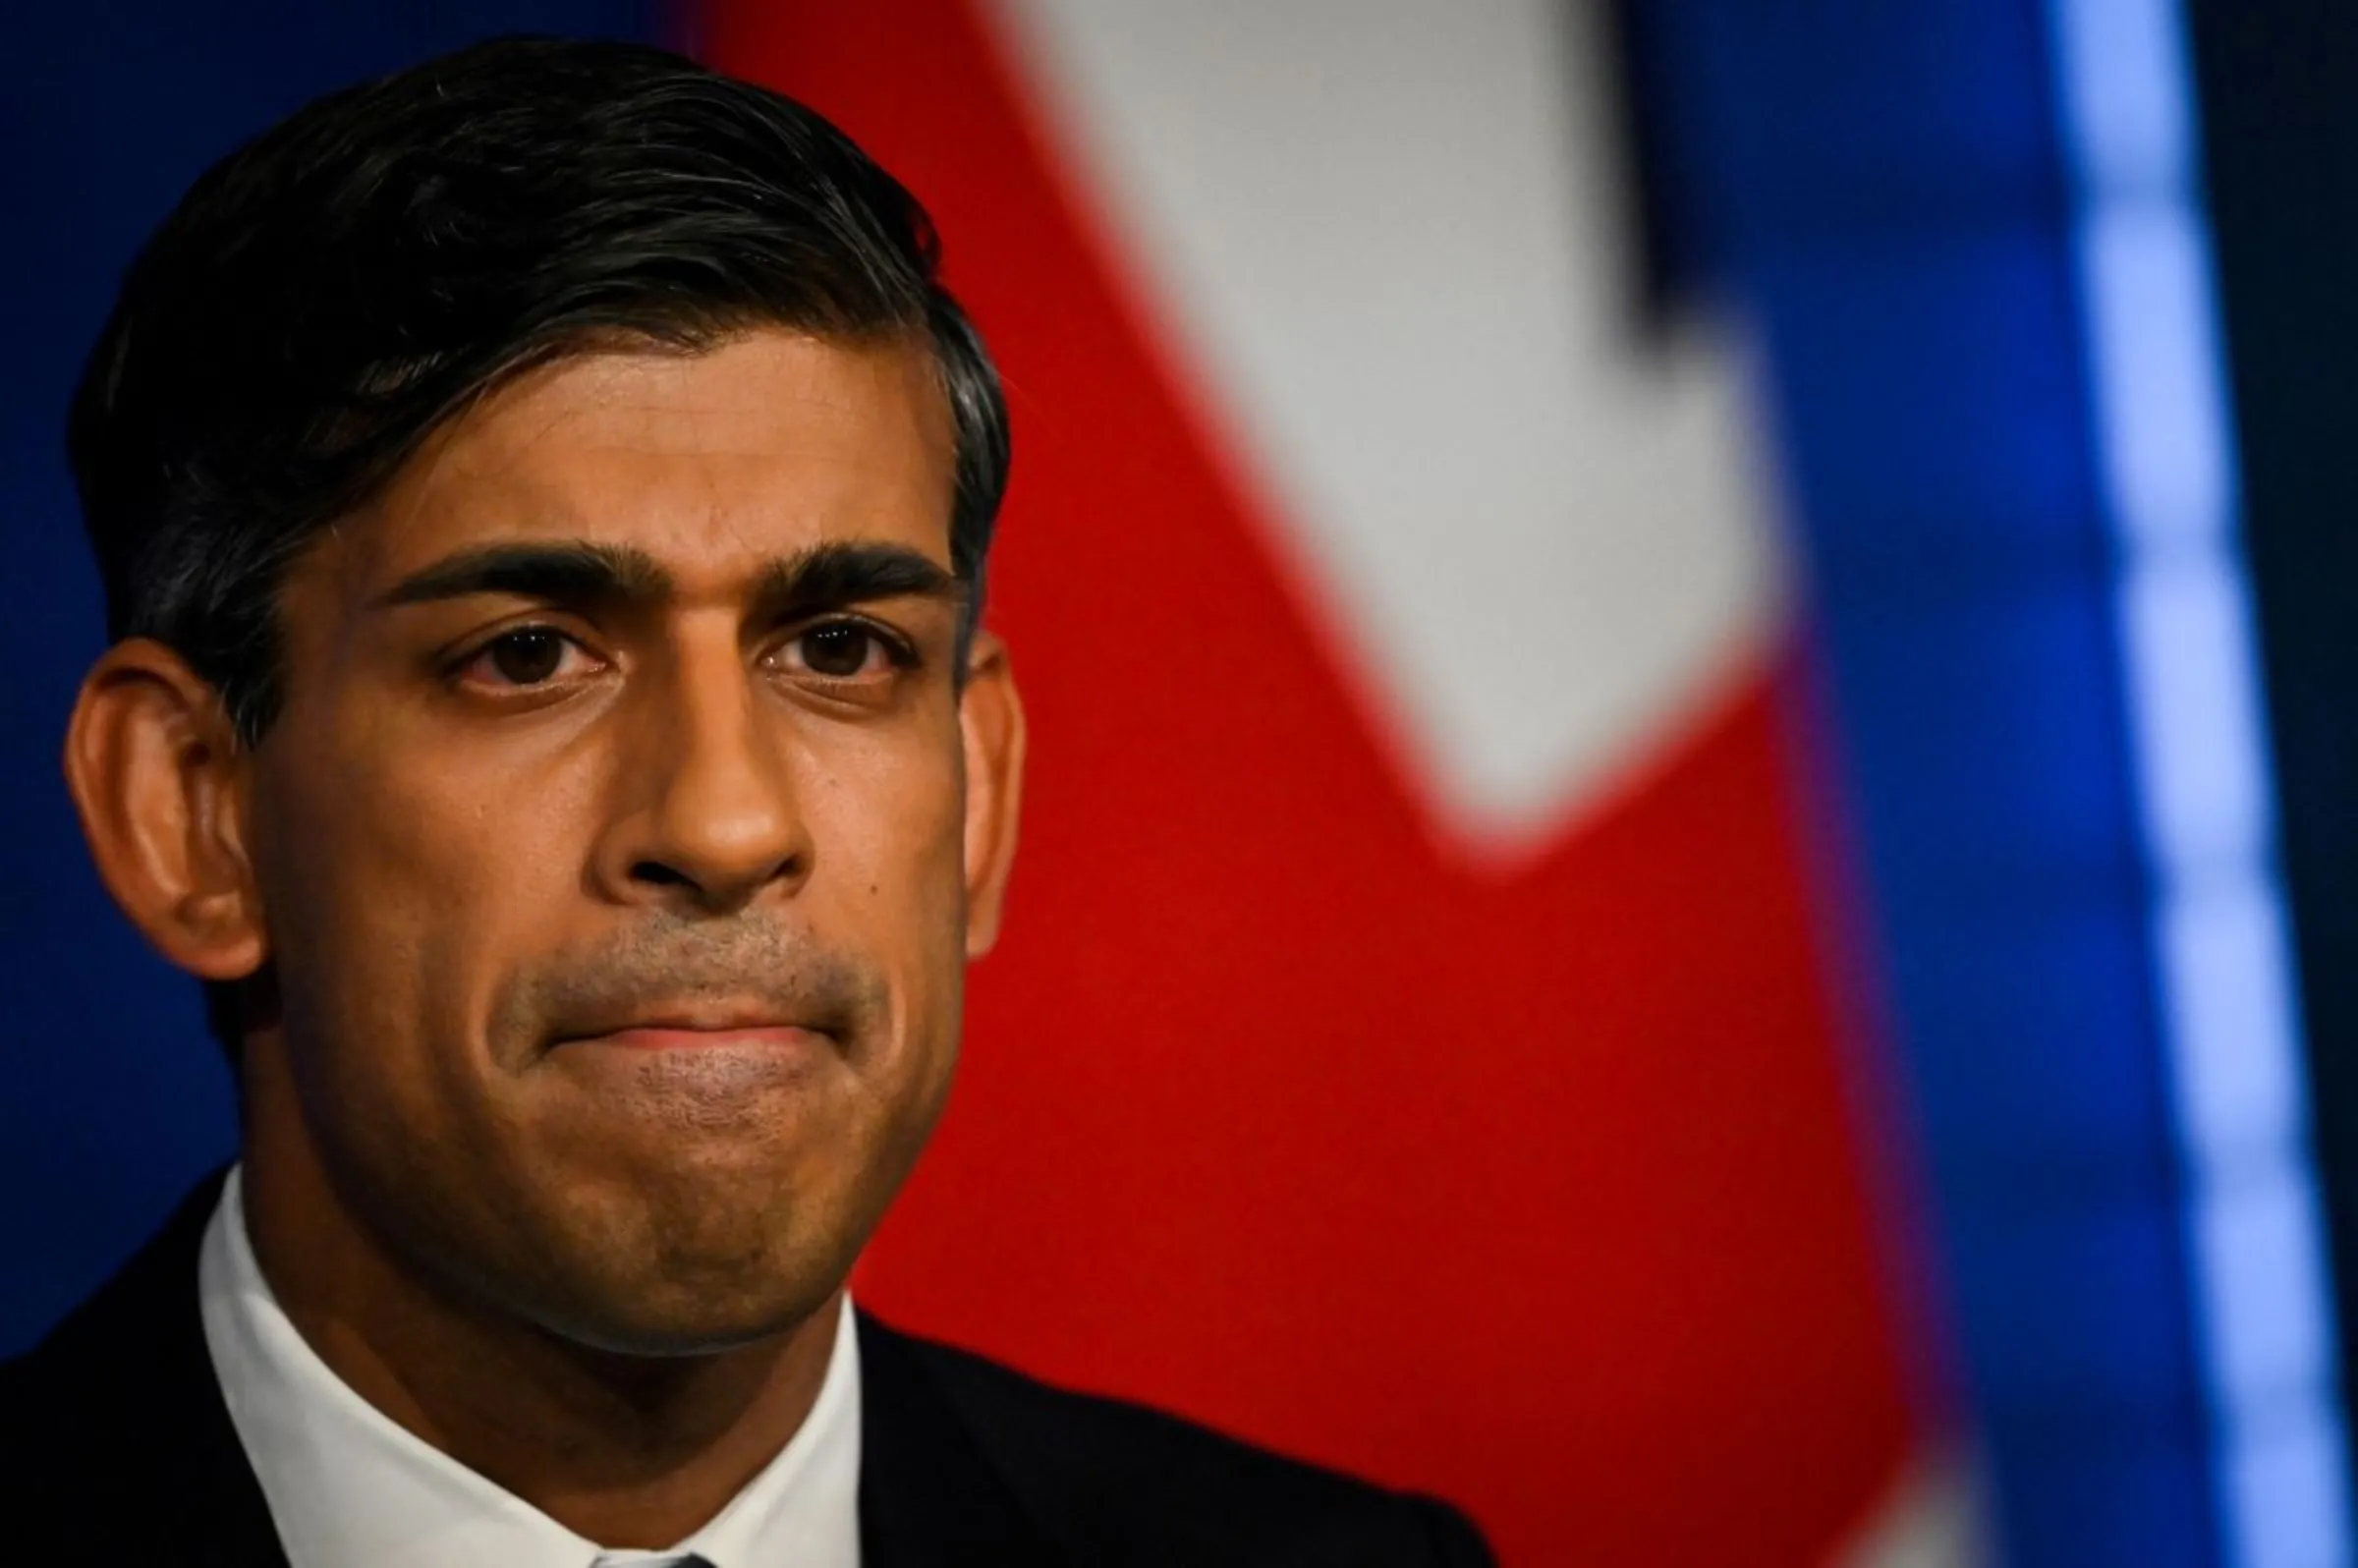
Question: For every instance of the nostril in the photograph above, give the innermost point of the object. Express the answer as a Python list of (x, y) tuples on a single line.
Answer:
[(716, 885)]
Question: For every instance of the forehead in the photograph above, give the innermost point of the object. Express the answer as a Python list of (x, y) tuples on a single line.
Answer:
[(715, 463)]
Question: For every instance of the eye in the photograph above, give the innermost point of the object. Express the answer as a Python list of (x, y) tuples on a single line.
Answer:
[(845, 650), (530, 655)]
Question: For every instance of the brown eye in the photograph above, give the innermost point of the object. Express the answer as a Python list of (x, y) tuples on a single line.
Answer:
[(841, 650), (527, 656)]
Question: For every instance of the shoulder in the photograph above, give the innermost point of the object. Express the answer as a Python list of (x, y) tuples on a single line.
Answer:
[(116, 1422), (1122, 1483), (75, 1395), (27, 1395), (138, 1336)]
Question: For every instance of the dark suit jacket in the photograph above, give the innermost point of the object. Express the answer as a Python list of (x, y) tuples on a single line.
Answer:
[(116, 1448)]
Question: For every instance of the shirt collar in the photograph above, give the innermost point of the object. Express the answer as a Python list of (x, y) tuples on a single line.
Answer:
[(349, 1487)]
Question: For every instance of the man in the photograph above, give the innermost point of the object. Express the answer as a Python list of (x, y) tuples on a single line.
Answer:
[(543, 500)]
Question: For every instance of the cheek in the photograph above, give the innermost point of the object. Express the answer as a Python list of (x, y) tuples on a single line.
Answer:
[(397, 880), (890, 863), (908, 822)]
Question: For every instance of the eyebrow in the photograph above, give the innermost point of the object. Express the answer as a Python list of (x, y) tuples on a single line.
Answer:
[(577, 572), (569, 571)]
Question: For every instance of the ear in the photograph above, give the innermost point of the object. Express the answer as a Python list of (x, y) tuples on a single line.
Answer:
[(156, 773), (990, 717)]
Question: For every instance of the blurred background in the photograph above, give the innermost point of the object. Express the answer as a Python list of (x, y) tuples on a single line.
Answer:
[(1691, 872)]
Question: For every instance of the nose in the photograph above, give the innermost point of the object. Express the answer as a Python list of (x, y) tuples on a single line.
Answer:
[(713, 820)]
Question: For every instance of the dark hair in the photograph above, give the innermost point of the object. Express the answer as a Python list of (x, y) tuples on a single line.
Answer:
[(328, 295)]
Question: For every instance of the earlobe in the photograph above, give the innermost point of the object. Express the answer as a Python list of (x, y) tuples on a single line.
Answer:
[(990, 717), (156, 775)]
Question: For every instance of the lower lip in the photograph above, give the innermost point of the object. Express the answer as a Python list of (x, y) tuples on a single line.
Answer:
[(778, 1037)]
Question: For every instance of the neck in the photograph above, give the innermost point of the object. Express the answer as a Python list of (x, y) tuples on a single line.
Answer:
[(625, 1452)]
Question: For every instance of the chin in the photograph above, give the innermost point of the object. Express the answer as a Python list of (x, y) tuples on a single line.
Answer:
[(734, 1250), (651, 1332), (694, 1306)]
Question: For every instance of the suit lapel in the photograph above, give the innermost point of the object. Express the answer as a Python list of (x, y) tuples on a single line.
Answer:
[(929, 1495)]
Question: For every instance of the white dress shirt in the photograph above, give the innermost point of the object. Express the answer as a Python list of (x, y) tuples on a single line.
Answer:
[(349, 1488)]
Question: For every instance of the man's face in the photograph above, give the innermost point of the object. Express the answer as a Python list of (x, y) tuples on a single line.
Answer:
[(614, 842)]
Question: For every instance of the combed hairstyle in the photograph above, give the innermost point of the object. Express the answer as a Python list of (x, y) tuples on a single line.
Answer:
[(327, 296)]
